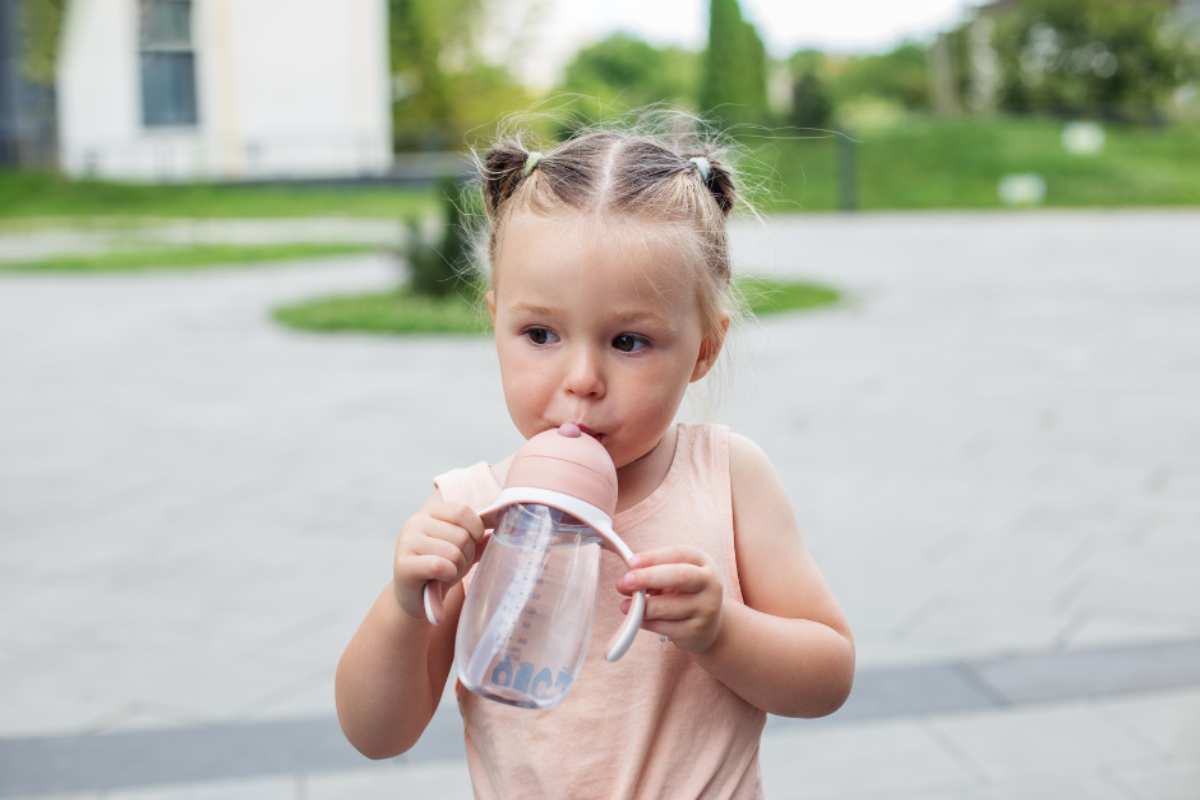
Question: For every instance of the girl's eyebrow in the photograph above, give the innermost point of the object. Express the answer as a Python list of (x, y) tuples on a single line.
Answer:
[(637, 315), (642, 316), (530, 308), (626, 317)]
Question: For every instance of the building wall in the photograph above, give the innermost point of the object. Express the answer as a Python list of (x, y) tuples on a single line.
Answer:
[(285, 88)]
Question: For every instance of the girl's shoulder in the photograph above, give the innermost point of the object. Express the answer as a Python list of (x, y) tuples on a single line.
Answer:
[(753, 479), (772, 554), (756, 487), (735, 458), (745, 456)]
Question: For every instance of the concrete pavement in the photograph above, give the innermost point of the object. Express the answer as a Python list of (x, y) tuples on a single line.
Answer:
[(19, 242), (992, 447)]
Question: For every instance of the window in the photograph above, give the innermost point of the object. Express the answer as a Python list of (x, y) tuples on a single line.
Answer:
[(168, 63)]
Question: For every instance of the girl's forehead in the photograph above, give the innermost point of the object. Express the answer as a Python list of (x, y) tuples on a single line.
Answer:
[(617, 255)]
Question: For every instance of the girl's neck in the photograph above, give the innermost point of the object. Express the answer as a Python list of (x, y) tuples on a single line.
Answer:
[(638, 479)]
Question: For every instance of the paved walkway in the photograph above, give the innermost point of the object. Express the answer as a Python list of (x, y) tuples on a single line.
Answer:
[(992, 446), (40, 241)]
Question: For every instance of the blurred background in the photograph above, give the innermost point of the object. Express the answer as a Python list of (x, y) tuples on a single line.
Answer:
[(859, 106), (241, 333)]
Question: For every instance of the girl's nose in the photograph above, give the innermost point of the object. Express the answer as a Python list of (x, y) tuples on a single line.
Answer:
[(584, 378)]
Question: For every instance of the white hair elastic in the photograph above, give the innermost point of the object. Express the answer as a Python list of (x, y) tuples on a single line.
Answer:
[(531, 161), (703, 166)]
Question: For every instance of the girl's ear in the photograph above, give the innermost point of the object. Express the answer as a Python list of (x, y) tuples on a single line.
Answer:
[(710, 348), (491, 304)]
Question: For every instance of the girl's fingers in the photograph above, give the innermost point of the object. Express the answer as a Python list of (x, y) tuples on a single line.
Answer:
[(669, 628), (665, 607), (453, 535), (682, 578), (432, 568), (462, 516), (669, 555), (447, 552)]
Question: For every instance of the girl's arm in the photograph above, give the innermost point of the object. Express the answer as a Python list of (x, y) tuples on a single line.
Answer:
[(788, 650), (391, 675)]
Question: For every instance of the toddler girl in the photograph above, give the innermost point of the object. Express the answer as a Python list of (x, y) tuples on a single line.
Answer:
[(610, 293)]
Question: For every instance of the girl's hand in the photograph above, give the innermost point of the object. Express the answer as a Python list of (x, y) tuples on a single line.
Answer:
[(684, 595), (438, 543)]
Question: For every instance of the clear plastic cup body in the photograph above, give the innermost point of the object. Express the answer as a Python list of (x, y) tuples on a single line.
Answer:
[(526, 622)]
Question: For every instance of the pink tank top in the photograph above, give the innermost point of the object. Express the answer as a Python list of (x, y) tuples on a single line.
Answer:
[(654, 724)]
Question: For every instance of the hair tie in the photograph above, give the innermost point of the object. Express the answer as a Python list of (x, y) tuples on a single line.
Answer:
[(531, 161), (702, 166)]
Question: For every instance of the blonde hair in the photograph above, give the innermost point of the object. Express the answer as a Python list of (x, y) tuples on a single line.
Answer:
[(675, 178)]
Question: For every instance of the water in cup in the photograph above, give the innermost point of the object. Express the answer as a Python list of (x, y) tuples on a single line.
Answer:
[(526, 622)]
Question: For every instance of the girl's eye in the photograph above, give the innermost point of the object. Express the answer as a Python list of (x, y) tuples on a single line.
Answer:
[(540, 335), (630, 343)]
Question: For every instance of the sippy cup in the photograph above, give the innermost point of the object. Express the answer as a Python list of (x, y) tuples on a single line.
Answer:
[(526, 622)]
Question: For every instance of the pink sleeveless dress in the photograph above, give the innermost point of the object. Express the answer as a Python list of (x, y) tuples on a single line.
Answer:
[(654, 724)]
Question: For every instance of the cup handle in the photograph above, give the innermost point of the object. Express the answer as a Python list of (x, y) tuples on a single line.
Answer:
[(633, 620), (624, 636), (434, 596)]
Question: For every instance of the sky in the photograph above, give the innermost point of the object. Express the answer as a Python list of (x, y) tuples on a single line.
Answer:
[(558, 28)]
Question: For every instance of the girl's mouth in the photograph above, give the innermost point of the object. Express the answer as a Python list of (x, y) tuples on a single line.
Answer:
[(590, 432)]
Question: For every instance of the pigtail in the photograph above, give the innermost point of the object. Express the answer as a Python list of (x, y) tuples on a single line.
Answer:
[(720, 183), (717, 178), (502, 170)]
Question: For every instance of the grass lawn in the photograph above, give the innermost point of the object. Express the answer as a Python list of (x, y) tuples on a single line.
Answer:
[(920, 163), (927, 163), (31, 195), (766, 296), (400, 312), (185, 257)]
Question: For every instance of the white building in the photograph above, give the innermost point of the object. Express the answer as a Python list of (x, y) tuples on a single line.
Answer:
[(224, 89)]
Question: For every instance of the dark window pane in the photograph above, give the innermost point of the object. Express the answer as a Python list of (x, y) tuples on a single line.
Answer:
[(168, 89), (166, 23), (167, 63)]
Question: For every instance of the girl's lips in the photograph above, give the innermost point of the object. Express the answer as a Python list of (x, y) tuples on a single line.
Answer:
[(590, 431)]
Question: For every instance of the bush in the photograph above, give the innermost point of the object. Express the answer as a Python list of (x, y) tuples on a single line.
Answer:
[(438, 270), (812, 107)]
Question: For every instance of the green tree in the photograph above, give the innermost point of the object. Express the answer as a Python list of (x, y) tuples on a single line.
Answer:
[(1103, 58), (812, 106), (812, 102), (418, 36), (632, 68), (41, 25), (733, 85), (623, 72), (808, 59), (900, 75), (443, 87), (756, 72)]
